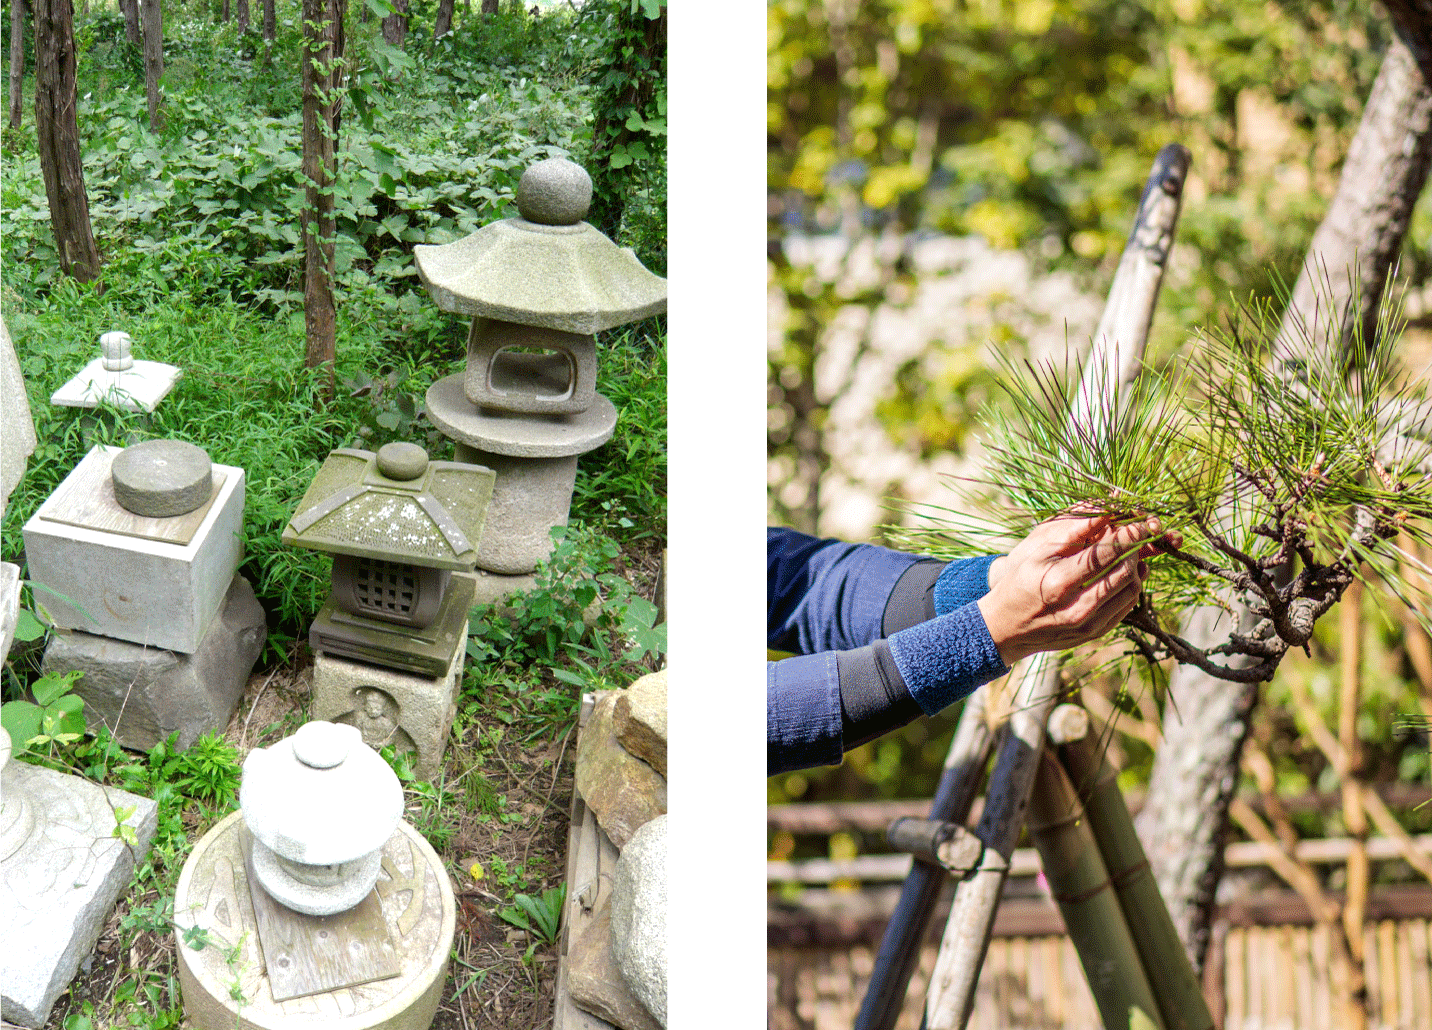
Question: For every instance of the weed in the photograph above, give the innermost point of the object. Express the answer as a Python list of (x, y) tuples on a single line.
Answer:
[(540, 916)]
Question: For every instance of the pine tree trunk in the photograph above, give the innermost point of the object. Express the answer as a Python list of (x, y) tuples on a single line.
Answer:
[(322, 77), (395, 25), (241, 14), (153, 57), (130, 9), (442, 25), (58, 135), (489, 7), (1185, 818), (17, 62)]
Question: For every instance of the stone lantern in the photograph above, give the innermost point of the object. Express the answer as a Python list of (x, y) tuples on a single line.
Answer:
[(538, 288), (116, 378), (389, 641)]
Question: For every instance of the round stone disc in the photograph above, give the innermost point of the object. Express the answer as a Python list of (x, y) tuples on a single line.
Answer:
[(162, 478)]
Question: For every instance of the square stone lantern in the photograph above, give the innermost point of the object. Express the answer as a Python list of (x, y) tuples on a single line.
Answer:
[(398, 525), (117, 379), (538, 288)]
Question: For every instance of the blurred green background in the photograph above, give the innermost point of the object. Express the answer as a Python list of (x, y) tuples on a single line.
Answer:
[(947, 176)]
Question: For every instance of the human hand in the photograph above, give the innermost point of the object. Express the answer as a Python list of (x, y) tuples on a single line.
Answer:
[(1071, 580)]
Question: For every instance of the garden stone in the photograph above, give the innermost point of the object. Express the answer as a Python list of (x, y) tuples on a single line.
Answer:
[(639, 916), (554, 192), (213, 893), (152, 581), (410, 712), (143, 694), (58, 887), (622, 791), (640, 718), (555, 373), (594, 981), (116, 379), (9, 605), (162, 478), (17, 429)]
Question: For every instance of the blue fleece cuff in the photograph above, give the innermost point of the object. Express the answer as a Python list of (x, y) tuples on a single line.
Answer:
[(803, 726), (945, 659), (962, 581)]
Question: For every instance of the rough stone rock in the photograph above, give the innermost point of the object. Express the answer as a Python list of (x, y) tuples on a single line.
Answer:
[(162, 478), (622, 791), (640, 716), (17, 430), (639, 916), (145, 694), (554, 192), (594, 981)]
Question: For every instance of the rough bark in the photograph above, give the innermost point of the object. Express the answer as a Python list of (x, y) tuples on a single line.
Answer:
[(270, 28), (489, 7), (442, 24), (395, 25), (1185, 819), (153, 57), (17, 62), (241, 15), (322, 78), (58, 136), (130, 10)]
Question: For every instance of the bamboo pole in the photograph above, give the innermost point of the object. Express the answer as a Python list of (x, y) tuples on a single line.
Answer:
[(1080, 883), (1118, 349), (1170, 974), (900, 947), (1354, 817)]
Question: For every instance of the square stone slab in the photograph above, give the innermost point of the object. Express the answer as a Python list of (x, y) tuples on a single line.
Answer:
[(139, 388), (58, 888), (129, 582)]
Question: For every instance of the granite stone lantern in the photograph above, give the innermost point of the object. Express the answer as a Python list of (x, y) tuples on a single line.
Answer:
[(116, 378), (389, 641), (538, 288), (318, 905), (138, 550)]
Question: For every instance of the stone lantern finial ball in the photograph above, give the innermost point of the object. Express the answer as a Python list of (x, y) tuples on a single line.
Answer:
[(554, 192)]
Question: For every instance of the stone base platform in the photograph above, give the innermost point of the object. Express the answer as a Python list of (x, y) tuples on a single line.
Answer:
[(213, 894), (143, 694), (59, 885)]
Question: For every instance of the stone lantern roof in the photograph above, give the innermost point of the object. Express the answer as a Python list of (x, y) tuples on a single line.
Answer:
[(394, 506), (545, 268)]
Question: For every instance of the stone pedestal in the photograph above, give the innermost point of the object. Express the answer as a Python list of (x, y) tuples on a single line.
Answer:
[(413, 713), (535, 458), (143, 694), (9, 605), (154, 581), (58, 886), (213, 893)]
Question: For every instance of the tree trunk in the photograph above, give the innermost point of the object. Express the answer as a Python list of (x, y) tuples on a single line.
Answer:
[(322, 77), (642, 69), (17, 62), (489, 8), (1194, 774), (395, 25), (153, 57), (270, 23), (130, 9), (58, 135), (241, 14), (442, 25), (224, 11)]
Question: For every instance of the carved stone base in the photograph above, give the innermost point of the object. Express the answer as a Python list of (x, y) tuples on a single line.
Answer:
[(213, 894)]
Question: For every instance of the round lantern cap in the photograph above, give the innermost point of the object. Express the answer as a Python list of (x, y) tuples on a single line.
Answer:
[(402, 461), (554, 192)]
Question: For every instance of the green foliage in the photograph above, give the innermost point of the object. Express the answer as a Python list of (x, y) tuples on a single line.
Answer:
[(55, 717), (540, 916)]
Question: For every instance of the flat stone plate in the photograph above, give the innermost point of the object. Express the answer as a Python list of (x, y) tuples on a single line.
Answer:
[(517, 436), (312, 954), (213, 894), (139, 388), (86, 499)]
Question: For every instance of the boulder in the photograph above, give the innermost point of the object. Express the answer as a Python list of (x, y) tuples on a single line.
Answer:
[(639, 916), (622, 791), (640, 717), (594, 982)]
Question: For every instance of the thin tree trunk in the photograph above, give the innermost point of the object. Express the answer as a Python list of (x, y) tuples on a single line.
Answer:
[(17, 62), (241, 13), (57, 133), (489, 8), (1194, 774), (270, 29), (395, 25), (130, 9), (442, 25), (224, 11), (322, 76), (153, 57)]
